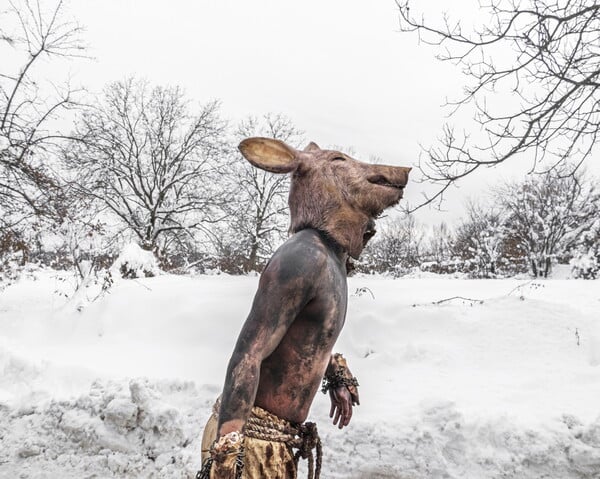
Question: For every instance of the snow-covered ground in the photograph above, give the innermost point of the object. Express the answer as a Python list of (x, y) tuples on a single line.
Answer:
[(505, 384)]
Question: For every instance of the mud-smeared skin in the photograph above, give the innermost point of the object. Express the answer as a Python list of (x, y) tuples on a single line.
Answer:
[(299, 309), (285, 345)]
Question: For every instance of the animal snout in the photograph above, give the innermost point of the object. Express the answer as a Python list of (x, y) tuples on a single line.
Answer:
[(406, 171), (395, 177), (401, 173), (385, 181)]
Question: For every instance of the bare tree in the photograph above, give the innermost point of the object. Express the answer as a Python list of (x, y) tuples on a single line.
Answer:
[(547, 214), (151, 163), (259, 216), (395, 249), (481, 242), (29, 106), (533, 74), (439, 246)]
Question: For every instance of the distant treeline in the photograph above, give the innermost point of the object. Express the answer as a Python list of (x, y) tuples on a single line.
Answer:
[(82, 175), (525, 227)]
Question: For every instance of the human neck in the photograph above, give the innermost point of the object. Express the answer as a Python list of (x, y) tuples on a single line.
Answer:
[(334, 246)]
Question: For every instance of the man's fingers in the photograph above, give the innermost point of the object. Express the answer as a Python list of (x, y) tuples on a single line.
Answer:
[(349, 415), (334, 402), (341, 407), (344, 408), (338, 413)]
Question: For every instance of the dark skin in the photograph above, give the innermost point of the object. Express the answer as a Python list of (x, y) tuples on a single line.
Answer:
[(285, 345)]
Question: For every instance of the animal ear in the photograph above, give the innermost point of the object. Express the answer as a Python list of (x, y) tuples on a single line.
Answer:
[(312, 146), (269, 154)]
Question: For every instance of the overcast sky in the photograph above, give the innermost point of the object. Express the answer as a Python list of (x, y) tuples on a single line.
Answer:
[(340, 69)]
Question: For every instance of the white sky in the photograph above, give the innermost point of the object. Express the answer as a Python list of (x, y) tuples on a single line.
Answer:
[(340, 69)]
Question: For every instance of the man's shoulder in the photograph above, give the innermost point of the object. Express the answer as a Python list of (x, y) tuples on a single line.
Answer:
[(309, 243), (303, 254)]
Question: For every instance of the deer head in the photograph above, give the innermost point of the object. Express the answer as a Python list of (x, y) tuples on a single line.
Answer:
[(330, 191)]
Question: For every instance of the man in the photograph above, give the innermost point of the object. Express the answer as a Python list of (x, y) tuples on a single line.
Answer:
[(284, 348)]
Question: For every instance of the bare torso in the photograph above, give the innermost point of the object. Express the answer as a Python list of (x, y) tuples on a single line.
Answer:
[(285, 344), (291, 376)]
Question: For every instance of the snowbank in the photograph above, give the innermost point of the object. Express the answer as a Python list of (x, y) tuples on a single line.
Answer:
[(459, 378), (115, 430)]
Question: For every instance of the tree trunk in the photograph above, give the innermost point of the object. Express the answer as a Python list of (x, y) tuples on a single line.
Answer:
[(534, 268), (548, 267), (252, 258)]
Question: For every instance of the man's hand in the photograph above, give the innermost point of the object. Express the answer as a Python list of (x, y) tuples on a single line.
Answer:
[(342, 402)]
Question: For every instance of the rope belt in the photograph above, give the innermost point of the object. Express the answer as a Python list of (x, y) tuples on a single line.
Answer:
[(265, 426), (304, 437)]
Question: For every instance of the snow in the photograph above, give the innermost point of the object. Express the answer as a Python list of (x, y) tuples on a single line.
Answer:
[(501, 381)]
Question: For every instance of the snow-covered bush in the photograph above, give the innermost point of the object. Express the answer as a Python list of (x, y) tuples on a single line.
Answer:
[(546, 216), (135, 262), (483, 245), (449, 266), (394, 250), (14, 254), (586, 266), (586, 259)]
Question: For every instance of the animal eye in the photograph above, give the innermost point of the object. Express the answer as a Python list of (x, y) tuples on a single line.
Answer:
[(338, 158)]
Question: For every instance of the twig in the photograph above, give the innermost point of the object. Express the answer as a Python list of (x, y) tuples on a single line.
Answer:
[(147, 287), (364, 289), (479, 301), (519, 287)]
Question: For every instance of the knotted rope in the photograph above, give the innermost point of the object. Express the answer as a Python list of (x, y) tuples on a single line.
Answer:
[(304, 437), (308, 438)]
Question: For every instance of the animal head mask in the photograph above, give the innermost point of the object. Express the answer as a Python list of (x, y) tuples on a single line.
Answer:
[(329, 190)]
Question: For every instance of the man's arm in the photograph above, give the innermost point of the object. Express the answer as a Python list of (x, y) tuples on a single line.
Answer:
[(288, 283)]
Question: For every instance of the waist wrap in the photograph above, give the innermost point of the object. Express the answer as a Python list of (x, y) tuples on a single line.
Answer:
[(268, 427)]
